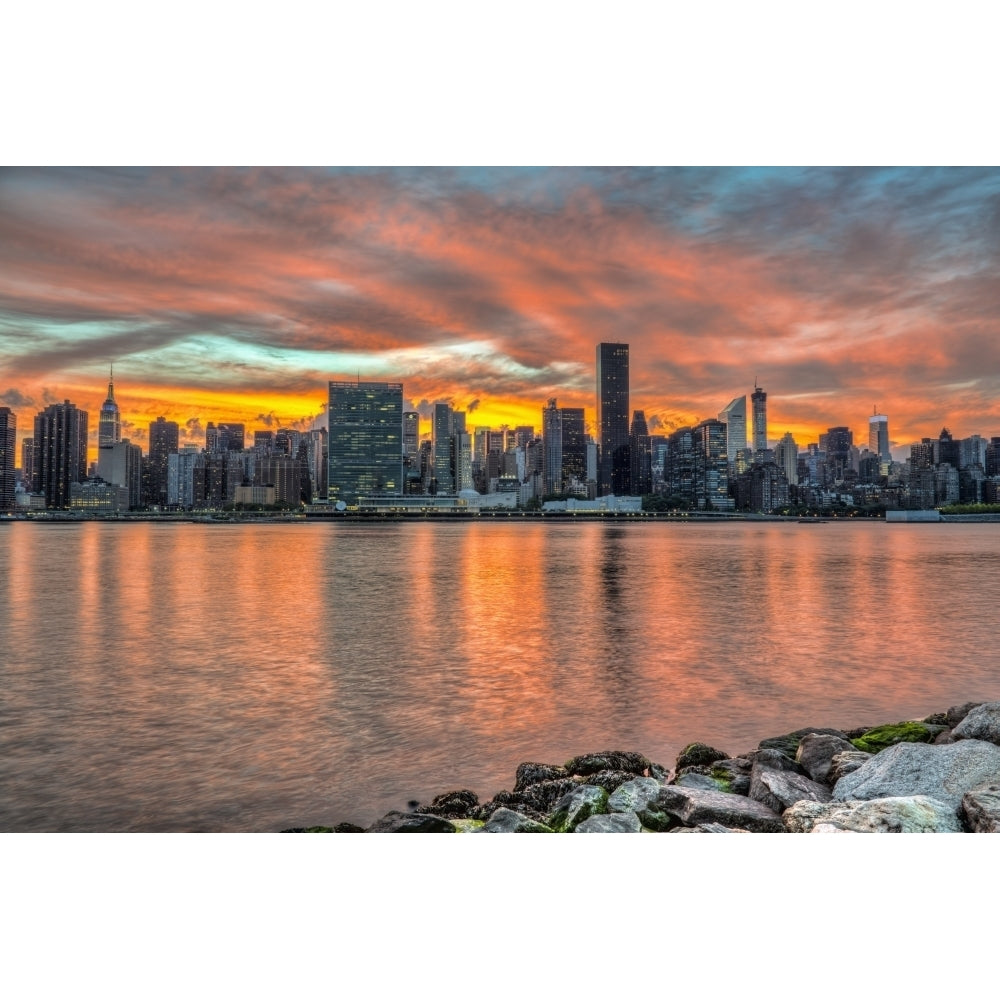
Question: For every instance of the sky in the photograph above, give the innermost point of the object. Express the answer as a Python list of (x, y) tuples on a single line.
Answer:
[(236, 294)]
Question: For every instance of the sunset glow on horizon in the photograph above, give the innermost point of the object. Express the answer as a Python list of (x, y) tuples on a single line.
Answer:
[(238, 294)]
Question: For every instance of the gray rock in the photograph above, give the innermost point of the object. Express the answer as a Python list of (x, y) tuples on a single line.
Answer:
[(733, 775), (944, 773), (816, 752), (530, 773), (780, 789), (901, 814), (957, 713), (658, 771), (400, 822), (981, 807), (576, 806), (708, 828), (789, 743), (543, 796), (633, 795), (693, 806), (937, 719), (608, 760), (508, 821), (982, 723), (693, 777), (452, 805), (626, 822), (775, 760), (845, 763), (695, 754), (943, 737), (609, 780)]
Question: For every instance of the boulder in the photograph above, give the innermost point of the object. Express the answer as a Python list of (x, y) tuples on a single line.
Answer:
[(780, 789), (348, 828), (508, 821), (945, 736), (695, 777), (576, 806), (452, 805), (775, 760), (623, 822), (733, 774), (609, 780), (937, 719), (542, 797), (982, 723), (981, 807), (957, 713), (692, 806), (903, 814), (607, 760), (708, 828), (531, 774), (874, 740), (844, 763), (400, 822), (789, 743), (816, 752), (945, 773), (658, 771), (695, 754), (633, 795)]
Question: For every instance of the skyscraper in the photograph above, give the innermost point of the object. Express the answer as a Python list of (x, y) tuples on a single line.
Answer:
[(163, 442), (442, 480), (878, 436), (574, 445), (365, 440), (759, 400), (639, 452), (612, 418), (109, 427), (552, 458), (61, 447), (734, 416), (8, 444)]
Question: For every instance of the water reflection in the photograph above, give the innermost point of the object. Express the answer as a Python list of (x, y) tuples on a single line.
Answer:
[(260, 676)]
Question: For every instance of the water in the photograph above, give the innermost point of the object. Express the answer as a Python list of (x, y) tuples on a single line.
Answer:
[(256, 677)]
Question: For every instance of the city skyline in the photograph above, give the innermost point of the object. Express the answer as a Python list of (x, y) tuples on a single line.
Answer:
[(236, 295)]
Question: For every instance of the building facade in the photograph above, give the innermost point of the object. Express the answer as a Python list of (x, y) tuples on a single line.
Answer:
[(109, 427), (8, 445), (612, 419), (365, 440), (759, 402), (61, 452)]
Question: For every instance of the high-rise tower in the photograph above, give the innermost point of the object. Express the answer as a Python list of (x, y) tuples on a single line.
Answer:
[(759, 401), (109, 428), (734, 416), (164, 437), (365, 440), (612, 418), (878, 436), (8, 444), (61, 447)]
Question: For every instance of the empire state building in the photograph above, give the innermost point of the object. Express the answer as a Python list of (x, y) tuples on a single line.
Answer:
[(109, 429)]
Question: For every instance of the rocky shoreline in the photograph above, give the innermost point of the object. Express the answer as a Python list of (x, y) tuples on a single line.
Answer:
[(940, 774)]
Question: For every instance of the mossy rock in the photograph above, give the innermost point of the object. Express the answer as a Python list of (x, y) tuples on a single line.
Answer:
[(468, 825), (576, 806), (698, 755), (881, 737)]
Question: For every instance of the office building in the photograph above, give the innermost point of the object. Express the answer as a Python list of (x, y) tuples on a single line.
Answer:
[(552, 472), (365, 440), (28, 461), (786, 457), (163, 442), (734, 416), (640, 456), (442, 480), (759, 404), (120, 464), (612, 418), (109, 427), (574, 446), (61, 452), (8, 445), (878, 436), (711, 466), (224, 437)]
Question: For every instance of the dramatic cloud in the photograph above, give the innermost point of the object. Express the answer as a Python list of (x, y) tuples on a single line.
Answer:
[(237, 294)]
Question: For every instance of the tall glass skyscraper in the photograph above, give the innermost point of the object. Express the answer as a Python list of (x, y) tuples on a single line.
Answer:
[(759, 400), (612, 419), (734, 416), (365, 440), (61, 447), (878, 436), (8, 443)]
